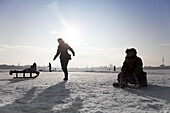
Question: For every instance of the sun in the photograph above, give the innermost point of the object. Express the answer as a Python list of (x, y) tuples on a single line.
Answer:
[(72, 35)]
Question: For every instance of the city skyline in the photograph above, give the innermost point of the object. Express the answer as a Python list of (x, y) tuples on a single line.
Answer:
[(99, 31)]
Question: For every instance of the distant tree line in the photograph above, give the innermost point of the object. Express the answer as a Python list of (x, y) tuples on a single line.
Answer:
[(4, 66), (158, 67)]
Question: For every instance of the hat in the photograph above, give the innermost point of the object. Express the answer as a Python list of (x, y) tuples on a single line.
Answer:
[(133, 50)]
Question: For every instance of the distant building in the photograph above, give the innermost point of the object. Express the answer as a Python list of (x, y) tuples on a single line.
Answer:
[(162, 65)]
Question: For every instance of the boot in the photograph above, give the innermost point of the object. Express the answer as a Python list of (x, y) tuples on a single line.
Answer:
[(65, 79)]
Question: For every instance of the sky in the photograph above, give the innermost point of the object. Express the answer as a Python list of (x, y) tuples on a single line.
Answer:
[(99, 31)]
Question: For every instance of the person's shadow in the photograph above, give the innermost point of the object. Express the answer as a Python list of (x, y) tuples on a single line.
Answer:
[(44, 101), (153, 92)]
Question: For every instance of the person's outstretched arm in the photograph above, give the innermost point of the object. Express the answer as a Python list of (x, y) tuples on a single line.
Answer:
[(58, 52)]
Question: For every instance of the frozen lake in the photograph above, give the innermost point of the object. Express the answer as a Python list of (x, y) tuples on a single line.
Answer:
[(84, 92)]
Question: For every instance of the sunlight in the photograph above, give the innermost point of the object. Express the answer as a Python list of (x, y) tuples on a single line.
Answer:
[(72, 35)]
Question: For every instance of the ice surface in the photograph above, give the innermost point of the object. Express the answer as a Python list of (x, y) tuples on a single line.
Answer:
[(84, 92)]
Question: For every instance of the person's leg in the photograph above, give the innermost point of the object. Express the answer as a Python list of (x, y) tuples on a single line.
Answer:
[(136, 79), (120, 80), (64, 64)]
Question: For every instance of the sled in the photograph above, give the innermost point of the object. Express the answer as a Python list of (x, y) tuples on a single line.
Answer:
[(128, 79), (125, 85), (24, 74)]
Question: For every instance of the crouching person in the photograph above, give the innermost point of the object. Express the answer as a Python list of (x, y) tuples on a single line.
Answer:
[(132, 70)]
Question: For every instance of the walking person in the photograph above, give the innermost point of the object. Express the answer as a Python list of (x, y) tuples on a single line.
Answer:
[(114, 68), (64, 56), (49, 67)]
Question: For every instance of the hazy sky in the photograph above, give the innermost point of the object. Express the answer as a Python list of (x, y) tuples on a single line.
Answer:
[(99, 31)]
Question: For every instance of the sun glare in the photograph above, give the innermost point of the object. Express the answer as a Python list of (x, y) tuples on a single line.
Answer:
[(72, 35)]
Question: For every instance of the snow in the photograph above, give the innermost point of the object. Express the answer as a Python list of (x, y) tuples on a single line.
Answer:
[(84, 92)]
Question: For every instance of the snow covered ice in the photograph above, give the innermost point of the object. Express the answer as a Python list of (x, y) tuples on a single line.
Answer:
[(84, 92)]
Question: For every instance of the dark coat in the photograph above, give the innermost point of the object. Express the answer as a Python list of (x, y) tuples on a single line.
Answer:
[(132, 65), (63, 52)]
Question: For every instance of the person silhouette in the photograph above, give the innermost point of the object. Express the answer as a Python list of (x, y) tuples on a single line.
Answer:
[(49, 67), (132, 70), (64, 56), (114, 68), (33, 68)]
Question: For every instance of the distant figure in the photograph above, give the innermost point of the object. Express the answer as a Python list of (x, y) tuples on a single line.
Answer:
[(114, 68), (64, 55), (49, 67), (132, 70), (33, 68)]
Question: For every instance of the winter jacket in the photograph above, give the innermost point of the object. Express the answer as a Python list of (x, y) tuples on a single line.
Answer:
[(133, 65), (63, 52)]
